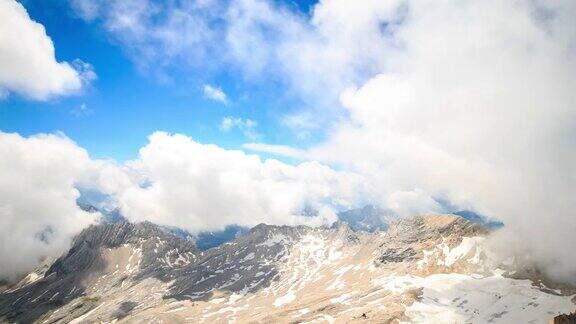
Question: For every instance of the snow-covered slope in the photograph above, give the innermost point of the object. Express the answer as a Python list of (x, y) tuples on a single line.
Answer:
[(428, 269)]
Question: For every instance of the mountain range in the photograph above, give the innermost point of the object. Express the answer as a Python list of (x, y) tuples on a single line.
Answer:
[(422, 269), (369, 218)]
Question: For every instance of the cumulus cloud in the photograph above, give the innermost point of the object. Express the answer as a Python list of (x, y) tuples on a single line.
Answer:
[(175, 181), (215, 93), (38, 212), (479, 108), (28, 65), (205, 187)]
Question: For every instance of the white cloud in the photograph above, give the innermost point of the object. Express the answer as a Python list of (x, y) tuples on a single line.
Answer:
[(479, 108), (39, 177), (303, 123), (215, 93), (246, 126), (187, 184), (204, 187), (281, 150), (37, 198), (28, 65), (262, 40)]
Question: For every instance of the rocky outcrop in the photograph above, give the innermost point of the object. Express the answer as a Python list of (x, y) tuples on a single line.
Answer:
[(564, 319), (73, 276)]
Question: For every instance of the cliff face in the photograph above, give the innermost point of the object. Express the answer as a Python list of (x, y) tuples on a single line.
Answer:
[(424, 269)]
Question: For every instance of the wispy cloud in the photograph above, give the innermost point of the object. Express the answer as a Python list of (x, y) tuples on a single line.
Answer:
[(215, 93), (246, 126), (279, 150), (258, 39), (81, 110)]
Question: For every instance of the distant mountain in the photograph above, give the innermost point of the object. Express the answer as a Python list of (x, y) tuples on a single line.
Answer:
[(470, 215), (371, 218), (178, 232), (368, 218), (203, 240), (479, 219), (209, 239), (108, 216), (424, 269)]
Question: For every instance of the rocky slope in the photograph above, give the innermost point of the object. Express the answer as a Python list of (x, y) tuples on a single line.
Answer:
[(426, 269)]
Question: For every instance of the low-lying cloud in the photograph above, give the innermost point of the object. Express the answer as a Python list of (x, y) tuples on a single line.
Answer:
[(204, 187), (38, 212), (175, 181), (477, 106)]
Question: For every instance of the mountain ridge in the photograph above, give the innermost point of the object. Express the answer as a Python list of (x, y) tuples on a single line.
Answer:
[(140, 273)]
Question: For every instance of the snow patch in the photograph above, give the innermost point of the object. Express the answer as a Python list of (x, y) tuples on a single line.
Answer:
[(250, 256), (275, 239), (286, 299)]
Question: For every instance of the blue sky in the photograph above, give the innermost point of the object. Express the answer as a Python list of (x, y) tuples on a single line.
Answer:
[(113, 116)]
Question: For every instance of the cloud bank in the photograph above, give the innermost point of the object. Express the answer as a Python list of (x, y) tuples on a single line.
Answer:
[(478, 107), (38, 212), (175, 181), (28, 65), (204, 187)]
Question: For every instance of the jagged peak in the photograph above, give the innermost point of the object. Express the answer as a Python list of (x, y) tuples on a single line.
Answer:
[(435, 221), (339, 226), (266, 228), (115, 234)]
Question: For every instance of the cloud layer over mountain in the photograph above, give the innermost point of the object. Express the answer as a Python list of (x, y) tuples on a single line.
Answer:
[(175, 181), (204, 187), (478, 108), (38, 212), (467, 101)]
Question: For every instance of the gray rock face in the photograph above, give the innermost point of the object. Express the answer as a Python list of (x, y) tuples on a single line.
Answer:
[(243, 265), (404, 233), (153, 241), (64, 279), (368, 218)]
